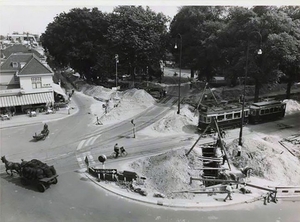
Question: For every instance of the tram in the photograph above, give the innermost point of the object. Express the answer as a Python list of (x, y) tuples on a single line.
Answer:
[(266, 111), (230, 115)]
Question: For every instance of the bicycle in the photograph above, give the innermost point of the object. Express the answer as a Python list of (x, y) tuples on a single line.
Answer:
[(122, 153)]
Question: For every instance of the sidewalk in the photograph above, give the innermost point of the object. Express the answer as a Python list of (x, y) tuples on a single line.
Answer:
[(23, 119), (199, 201)]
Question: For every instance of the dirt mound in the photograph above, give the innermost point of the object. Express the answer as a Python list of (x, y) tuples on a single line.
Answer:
[(174, 123), (292, 106), (268, 159), (169, 173)]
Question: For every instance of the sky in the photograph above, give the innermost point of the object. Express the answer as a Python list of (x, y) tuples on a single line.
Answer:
[(33, 16)]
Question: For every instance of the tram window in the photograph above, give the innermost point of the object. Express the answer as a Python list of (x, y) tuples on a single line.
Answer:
[(262, 112), (271, 110), (267, 111), (204, 119), (276, 109), (246, 113), (229, 116), (237, 115), (220, 117), (208, 119)]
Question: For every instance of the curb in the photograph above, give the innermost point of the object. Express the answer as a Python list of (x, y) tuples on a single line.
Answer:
[(160, 202)]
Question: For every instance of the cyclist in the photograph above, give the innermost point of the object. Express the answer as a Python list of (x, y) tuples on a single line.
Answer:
[(117, 150)]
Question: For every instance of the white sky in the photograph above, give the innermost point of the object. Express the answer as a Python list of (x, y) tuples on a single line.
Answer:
[(33, 16)]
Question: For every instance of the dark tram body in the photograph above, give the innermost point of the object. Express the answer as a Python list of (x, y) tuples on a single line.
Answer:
[(230, 115), (266, 111)]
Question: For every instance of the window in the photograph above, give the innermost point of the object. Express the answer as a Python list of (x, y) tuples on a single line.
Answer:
[(271, 110), (208, 119), (36, 82), (229, 116), (220, 117), (276, 109), (246, 113), (262, 112), (267, 111), (237, 115)]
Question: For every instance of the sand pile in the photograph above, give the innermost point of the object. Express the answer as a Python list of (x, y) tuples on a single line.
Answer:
[(268, 158), (121, 105), (292, 106), (173, 123), (99, 92), (169, 173)]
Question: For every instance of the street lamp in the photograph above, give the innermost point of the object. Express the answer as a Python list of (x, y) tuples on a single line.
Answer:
[(259, 52), (179, 80), (117, 61)]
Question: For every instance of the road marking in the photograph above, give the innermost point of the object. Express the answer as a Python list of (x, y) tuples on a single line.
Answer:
[(80, 162), (88, 141), (80, 144), (94, 138)]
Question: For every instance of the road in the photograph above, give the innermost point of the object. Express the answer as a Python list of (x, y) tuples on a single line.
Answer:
[(75, 198)]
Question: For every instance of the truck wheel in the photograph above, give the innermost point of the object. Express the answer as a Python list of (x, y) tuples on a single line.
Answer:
[(54, 181), (41, 187)]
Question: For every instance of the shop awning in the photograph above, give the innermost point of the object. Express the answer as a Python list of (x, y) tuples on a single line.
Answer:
[(59, 90), (26, 99)]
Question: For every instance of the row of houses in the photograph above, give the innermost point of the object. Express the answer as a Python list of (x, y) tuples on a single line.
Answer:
[(26, 80)]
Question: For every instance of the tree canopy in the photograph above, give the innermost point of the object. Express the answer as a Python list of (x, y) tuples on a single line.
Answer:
[(87, 40), (215, 40)]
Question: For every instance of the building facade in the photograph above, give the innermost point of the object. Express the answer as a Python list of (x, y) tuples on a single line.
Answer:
[(26, 83)]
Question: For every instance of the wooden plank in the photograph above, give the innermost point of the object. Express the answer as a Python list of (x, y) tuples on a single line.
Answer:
[(286, 148)]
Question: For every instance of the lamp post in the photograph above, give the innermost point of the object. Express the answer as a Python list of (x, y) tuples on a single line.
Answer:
[(179, 80), (259, 52), (117, 61)]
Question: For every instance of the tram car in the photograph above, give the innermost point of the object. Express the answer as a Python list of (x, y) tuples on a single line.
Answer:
[(266, 111), (227, 115), (230, 115)]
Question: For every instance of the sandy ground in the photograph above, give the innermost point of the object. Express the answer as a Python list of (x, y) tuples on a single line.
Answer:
[(170, 171)]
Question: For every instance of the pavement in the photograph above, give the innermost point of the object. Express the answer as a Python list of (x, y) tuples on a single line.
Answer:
[(23, 119), (198, 201)]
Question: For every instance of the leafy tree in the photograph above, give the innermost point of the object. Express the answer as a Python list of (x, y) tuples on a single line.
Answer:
[(139, 37), (77, 39), (198, 27), (259, 27)]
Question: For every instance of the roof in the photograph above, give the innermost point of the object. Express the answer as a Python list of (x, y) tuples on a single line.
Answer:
[(26, 99), (27, 64), (221, 108), (267, 103), (19, 48)]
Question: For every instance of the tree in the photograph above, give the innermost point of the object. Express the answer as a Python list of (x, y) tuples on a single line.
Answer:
[(77, 39), (259, 27), (139, 37), (199, 26)]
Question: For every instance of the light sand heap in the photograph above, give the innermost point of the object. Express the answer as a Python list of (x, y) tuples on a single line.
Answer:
[(169, 172), (292, 106), (268, 158)]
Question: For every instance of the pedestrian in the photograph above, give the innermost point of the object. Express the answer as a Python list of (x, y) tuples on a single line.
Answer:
[(116, 150), (229, 192), (224, 159), (239, 150), (68, 110)]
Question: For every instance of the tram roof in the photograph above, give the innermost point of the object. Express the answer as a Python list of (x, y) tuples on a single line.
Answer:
[(267, 103), (222, 108)]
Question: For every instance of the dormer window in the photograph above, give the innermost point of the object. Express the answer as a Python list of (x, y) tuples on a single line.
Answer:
[(14, 64)]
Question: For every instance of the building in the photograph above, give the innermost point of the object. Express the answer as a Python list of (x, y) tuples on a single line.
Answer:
[(26, 83)]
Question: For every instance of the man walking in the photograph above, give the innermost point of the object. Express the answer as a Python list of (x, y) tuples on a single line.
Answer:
[(229, 191)]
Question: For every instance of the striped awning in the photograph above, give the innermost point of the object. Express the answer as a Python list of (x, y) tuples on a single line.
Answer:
[(26, 99)]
